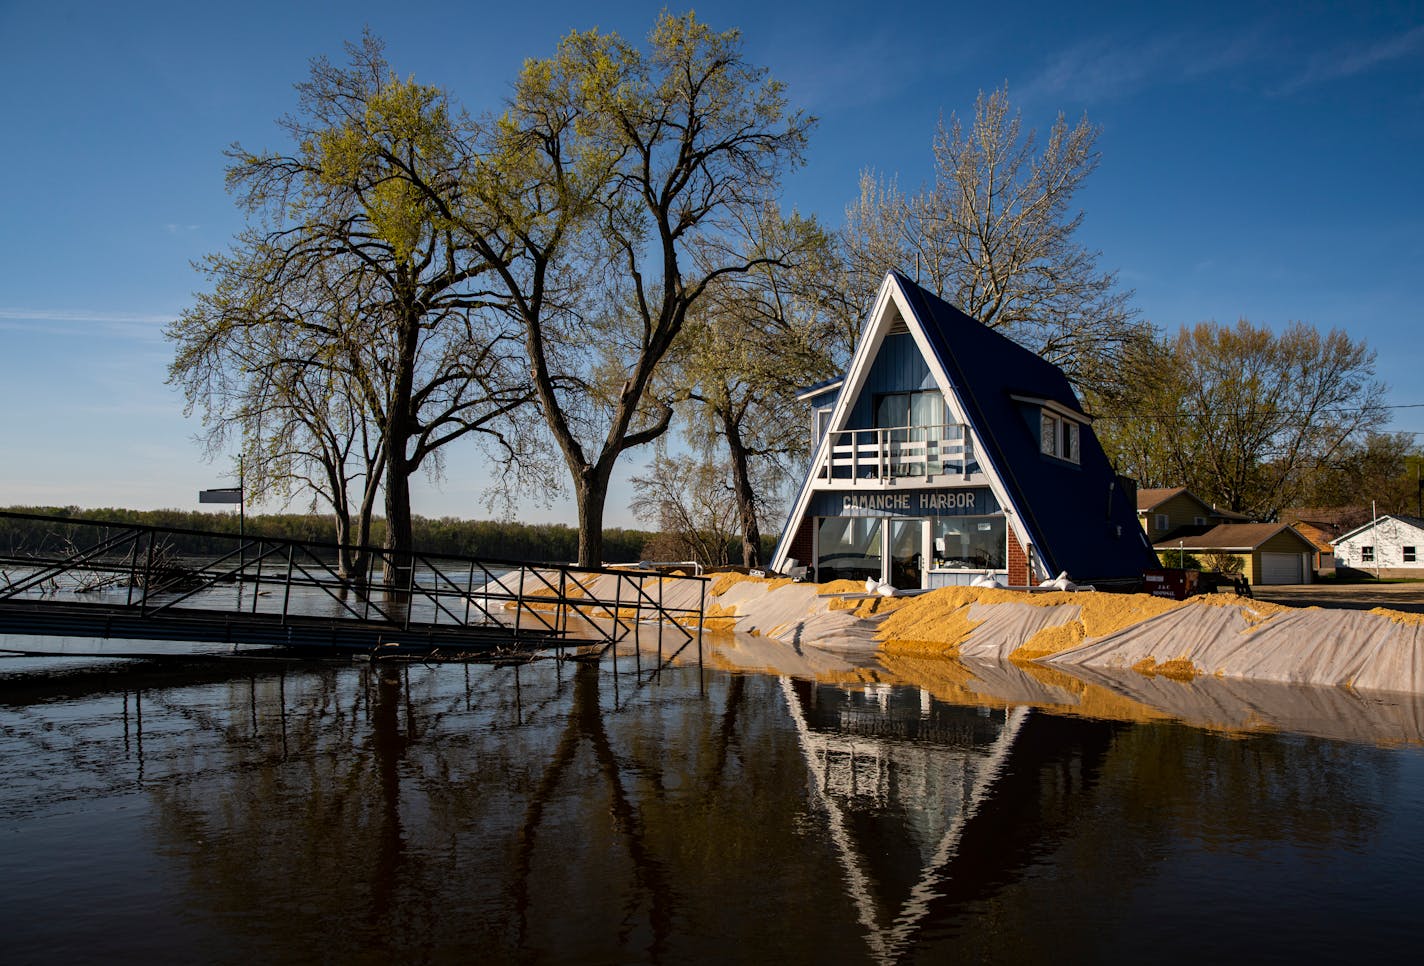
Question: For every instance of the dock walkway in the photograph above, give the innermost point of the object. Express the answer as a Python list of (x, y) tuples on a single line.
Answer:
[(108, 580)]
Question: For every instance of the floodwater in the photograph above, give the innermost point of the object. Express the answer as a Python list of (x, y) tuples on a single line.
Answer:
[(620, 812)]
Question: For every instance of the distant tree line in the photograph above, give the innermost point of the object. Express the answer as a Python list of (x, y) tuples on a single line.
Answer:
[(543, 542)]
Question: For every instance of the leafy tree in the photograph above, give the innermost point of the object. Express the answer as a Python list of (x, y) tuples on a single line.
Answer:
[(1224, 563), (1243, 417), (994, 234), (418, 352), (257, 358), (1383, 468), (610, 168)]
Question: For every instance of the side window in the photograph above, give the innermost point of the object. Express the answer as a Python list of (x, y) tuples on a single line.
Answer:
[(1048, 431), (1160, 521), (1367, 554), (1057, 436), (1409, 555)]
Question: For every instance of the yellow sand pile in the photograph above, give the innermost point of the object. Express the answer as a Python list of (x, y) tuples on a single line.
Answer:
[(571, 592), (867, 606), (1399, 617), (721, 583), (1254, 611), (718, 617), (938, 622)]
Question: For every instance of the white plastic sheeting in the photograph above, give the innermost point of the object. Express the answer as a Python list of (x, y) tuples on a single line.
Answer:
[(1312, 646)]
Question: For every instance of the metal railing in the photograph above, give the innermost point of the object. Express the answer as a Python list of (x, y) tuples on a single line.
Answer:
[(150, 575), (901, 452)]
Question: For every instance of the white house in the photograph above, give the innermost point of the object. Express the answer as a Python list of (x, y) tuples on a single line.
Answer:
[(1389, 546)]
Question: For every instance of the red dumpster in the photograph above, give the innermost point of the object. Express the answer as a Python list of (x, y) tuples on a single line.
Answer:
[(1172, 582)]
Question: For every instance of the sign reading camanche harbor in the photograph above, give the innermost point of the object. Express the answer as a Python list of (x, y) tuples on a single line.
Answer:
[(919, 503)]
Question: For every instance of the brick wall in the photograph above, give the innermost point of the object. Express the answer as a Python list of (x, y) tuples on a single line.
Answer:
[(802, 546), (1018, 562)]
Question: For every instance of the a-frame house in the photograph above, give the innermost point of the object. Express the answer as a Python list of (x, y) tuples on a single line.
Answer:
[(947, 452)]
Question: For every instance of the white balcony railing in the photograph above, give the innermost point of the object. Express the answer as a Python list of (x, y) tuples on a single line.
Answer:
[(896, 453)]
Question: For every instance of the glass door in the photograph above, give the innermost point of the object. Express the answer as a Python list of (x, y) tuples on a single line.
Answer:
[(907, 544)]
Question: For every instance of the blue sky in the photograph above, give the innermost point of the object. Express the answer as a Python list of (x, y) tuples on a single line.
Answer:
[(1258, 160)]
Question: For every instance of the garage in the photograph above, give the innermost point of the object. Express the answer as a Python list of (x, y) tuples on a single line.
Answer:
[(1268, 553), (1282, 568)]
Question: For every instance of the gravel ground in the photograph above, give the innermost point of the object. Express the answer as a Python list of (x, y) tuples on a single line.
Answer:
[(1402, 597)]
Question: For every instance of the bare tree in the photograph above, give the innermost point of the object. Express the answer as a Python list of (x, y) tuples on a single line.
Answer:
[(693, 505), (995, 235)]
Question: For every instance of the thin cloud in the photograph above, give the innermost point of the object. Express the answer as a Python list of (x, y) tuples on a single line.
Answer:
[(1108, 68), (79, 315), (1350, 63), (141, 326)]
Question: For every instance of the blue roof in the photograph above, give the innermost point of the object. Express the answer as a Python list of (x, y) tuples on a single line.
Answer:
[(1078, 514), (824, 387)]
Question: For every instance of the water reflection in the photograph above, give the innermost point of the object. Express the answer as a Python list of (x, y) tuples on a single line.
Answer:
[(618, 812)]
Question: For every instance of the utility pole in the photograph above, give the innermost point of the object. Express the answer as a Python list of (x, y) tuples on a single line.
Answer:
[(1374, 531)]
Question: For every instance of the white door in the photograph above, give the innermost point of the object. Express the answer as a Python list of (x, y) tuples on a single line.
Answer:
[(1281, 568)]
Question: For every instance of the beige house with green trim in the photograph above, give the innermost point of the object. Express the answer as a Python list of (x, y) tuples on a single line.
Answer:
[(1165, 510), (1270, 553)]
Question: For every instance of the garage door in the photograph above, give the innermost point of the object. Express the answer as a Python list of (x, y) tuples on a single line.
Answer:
[(1281, 568)]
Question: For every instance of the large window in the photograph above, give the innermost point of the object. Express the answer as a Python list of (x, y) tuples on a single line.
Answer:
[(896, 409), (849, 548), (971, 543), (1058, 436)]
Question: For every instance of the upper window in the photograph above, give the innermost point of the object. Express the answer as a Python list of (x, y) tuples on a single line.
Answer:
[(1058, 436), (903, 409), (1161, 522)]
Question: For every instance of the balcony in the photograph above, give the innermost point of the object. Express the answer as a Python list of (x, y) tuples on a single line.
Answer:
[(887, 456)]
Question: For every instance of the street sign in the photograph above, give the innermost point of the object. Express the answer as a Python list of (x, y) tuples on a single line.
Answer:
[(231, 494)]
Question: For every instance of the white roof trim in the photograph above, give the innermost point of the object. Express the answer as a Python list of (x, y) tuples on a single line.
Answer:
[(821, 390), (1055, 407), (1375, 523)]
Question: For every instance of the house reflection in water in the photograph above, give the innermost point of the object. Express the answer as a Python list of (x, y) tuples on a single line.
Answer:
[(900, 777)]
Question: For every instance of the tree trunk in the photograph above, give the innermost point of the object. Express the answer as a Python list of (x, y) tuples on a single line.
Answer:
[(342, 520), (360, 557), (742, 486), (399, 427), (591, 494), (399, 534)]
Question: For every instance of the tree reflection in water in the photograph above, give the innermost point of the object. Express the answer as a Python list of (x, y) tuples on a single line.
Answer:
[(558, 812)]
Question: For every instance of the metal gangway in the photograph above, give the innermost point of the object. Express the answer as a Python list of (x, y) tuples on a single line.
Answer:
[(113, 580)]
